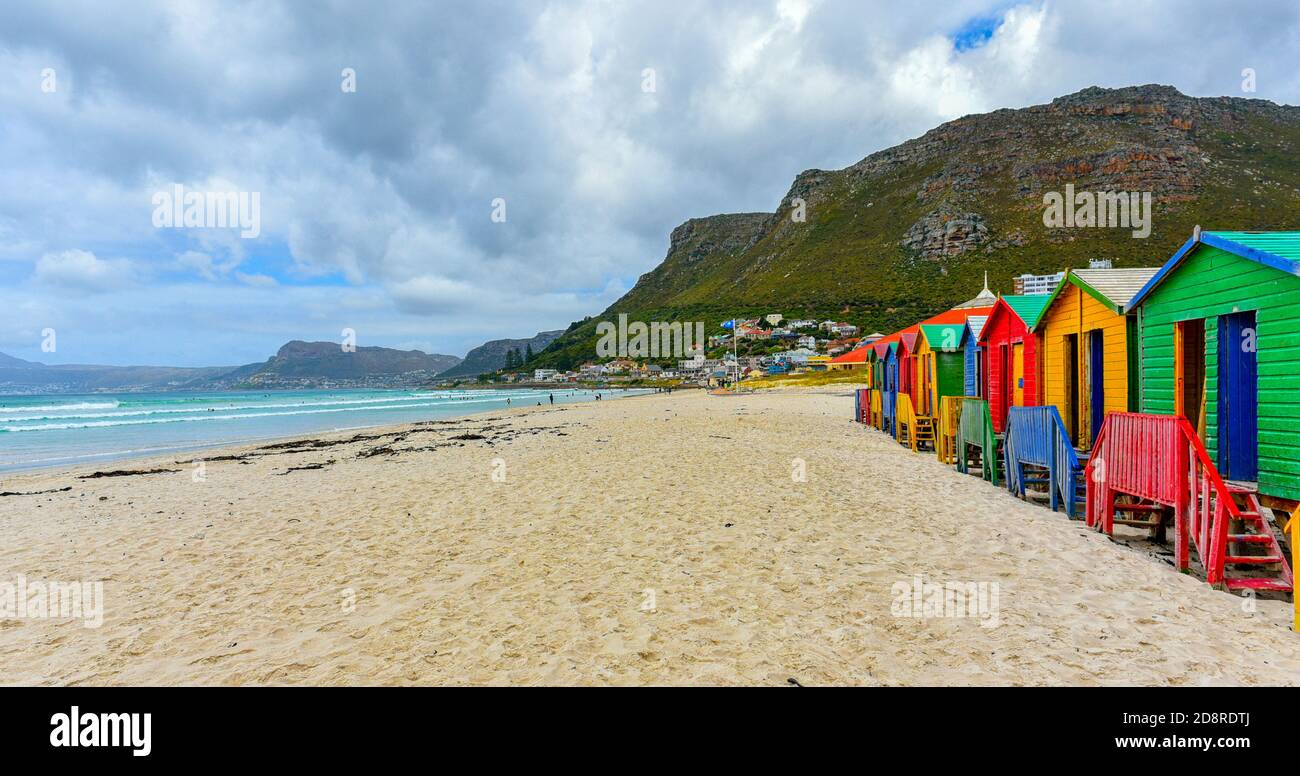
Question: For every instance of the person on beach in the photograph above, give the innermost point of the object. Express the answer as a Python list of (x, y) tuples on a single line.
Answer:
[(552, 398)]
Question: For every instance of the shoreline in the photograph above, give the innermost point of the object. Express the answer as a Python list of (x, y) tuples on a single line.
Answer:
[(217, 446), (228, 449), (661, 541)]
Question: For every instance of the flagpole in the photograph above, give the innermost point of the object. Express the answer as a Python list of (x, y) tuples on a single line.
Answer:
[(735, 355)]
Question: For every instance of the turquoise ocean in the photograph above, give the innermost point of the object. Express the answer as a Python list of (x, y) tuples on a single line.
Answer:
[(68, 430)]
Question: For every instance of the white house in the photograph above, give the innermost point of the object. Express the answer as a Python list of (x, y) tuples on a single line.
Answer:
[(692, 364), (542, 375)]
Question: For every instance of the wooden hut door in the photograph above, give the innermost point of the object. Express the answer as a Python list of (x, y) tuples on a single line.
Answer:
[(1189, 370), (1238, 385), (923, 389), (1018, 375), (1096, 382), (1070, 361), (1004, 379)]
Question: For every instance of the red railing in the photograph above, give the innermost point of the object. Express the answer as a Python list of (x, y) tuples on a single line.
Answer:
[(1159, 458)]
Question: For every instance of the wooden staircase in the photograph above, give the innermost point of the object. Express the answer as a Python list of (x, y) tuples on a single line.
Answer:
[(922, 436), (1252, 545), (975, 430), (1144, 467), (905, 430), (946, 435), (1041, 463)]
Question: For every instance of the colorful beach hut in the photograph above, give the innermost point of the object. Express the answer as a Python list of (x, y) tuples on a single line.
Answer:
[(941, 374), (1220, 345), (905, 394), (1087, 348), (1219, 362), (889, 388), (1011, 355), (940, 365), (907, 363), (973, 353)]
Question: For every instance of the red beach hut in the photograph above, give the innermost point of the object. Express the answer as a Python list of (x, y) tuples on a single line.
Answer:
[(1011, 355)]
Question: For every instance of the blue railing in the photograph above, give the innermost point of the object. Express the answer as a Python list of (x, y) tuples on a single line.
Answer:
[(1036, 437)]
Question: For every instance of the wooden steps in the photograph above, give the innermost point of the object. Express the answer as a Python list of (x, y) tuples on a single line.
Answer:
[(1247, 570), (922, 433)]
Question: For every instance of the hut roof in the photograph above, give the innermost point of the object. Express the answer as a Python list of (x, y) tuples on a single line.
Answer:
[(908, 337), (1279, 250), (1112, 287), (976, 324), (1028, 306), (856, 356), (938, 333)]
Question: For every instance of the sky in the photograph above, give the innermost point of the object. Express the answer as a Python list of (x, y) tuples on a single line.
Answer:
[(434, 175)]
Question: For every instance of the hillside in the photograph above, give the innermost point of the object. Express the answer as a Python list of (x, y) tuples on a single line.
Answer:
[(910, 230), (297, 365), (19, 377), (491, 355), (302, 364)]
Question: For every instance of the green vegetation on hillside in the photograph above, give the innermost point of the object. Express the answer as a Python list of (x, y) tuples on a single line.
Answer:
[(911, 230)]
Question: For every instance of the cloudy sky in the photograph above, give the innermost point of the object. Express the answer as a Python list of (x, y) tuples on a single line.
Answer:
[(593, 128)]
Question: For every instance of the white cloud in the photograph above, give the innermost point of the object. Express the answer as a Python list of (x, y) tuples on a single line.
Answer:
[(261, 281), (386, 192), (83, 271)]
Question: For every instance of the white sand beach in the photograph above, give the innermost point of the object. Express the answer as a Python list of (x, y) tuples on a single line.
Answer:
[(650, 540)]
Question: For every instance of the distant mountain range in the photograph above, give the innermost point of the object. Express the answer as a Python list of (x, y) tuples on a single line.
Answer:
[(19, 376), (296, 365), (491, 356), (910, 230)]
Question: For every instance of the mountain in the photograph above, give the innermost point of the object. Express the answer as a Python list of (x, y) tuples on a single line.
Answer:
[(11, 362), (297, 365), (910, 230), (491, 355), (301, 364), (18, 376)]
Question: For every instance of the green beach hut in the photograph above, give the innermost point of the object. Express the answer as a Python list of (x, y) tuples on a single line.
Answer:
[(1220, 345)]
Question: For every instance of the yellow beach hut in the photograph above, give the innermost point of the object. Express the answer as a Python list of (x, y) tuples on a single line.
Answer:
[(1087, 351)]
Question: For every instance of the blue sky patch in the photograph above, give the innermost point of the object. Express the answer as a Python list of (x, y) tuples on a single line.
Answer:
[(976, 32)]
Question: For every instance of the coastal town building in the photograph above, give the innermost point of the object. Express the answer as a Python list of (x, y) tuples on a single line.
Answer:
[(838, 328), (1031, 285)]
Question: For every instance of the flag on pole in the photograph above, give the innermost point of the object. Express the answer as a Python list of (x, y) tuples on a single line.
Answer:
[(731, 324)]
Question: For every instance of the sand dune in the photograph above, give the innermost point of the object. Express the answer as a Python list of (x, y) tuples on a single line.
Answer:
[(651, 540)]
